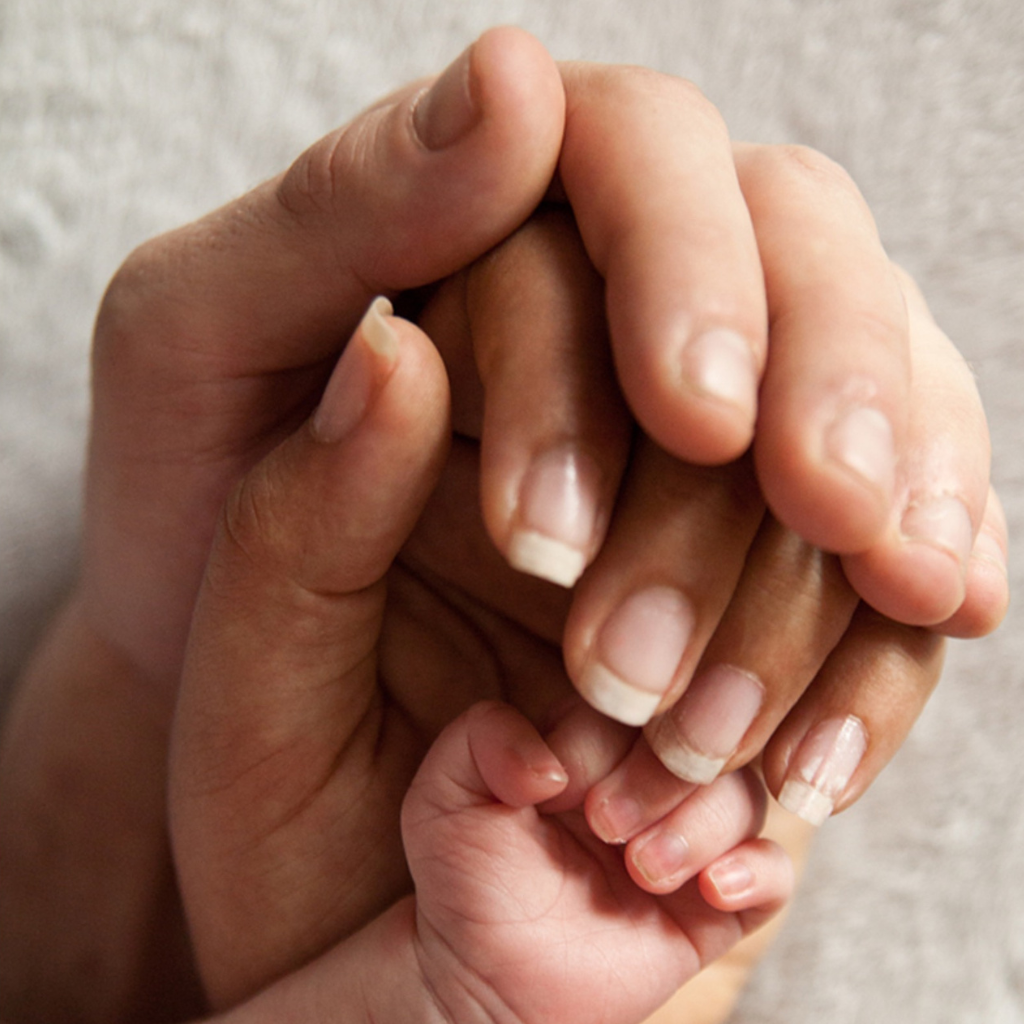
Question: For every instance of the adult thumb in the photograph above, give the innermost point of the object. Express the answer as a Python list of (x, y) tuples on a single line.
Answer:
[(279, 706), (212, 336)]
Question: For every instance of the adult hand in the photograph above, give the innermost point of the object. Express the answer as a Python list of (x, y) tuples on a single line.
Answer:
[(690, 586), (466, 949), (749, 281), (216, 339), (211, 345), (214, 343), (324, 660)]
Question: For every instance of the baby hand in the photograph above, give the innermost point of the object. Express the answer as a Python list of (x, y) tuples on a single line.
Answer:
[(527, 916)]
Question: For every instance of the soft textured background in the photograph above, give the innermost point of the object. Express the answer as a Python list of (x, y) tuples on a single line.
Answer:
[(119, 119)]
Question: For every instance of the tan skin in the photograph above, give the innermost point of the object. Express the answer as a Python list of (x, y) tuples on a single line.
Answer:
[(256, 348)]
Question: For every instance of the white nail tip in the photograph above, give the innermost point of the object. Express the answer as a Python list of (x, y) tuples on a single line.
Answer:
[(376, 330), (806, 802), (616, 698), (687, 764), (551, 560)]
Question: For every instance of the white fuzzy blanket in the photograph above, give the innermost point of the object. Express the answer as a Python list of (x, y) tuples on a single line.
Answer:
[(120, 118)]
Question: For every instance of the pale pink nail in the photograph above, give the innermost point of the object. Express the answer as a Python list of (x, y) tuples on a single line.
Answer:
[(720, 364), (556, 517), (988, 549), (732, 878), (617, 818), (368, 358), (661, 857), (861, 440), (637, 654), (698, 736), (822, 767), (943, 522)]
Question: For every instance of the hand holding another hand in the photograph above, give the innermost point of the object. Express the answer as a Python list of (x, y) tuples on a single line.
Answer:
[(355, 601)]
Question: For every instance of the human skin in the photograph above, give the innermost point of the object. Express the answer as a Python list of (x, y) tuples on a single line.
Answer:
[(237, 319), (501, 890)]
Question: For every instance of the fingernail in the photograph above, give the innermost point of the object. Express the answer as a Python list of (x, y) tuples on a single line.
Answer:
[(942, 522), (637, 654), (720, 364), (447, 110), (617, 818), (556, 517), (731, 878), (364, 365), (661, 857), (988, 549), (822, 768), (699, 735), (861, 440)]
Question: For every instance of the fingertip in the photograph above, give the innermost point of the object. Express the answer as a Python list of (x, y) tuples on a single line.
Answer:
[(521, 61), (987, 597), (756, 875), (916, 584), (518, 87), (359, 375), (514, 762), (699, 402), (832, 507)]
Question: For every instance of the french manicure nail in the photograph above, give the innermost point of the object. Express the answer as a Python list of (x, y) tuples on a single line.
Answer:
[(556, 516), (943, 522), (822, 767), (369, 356), (698, 736), (720, 364), (637, 654), (861, 440), (447, 110)]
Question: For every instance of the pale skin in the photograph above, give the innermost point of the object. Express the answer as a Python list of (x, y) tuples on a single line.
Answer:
[(240, 317)]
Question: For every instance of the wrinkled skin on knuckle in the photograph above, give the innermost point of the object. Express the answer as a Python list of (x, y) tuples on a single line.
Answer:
[(804, 166), (254, 528), (597, 86), (126, 306)]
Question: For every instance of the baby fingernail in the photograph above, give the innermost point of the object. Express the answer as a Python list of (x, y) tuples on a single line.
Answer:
[(556, 517), (661, 857), (617, 818), (942, 522), (861, 440), (731, 878), (822, 767), (720, 364), (697, 737), (637, 654)]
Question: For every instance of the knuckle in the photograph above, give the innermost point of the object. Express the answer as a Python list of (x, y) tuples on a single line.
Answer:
[(316, 181), (307, 188), (627, 86), (881, 327), (802, 167), (252, 523), (127, 298)]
